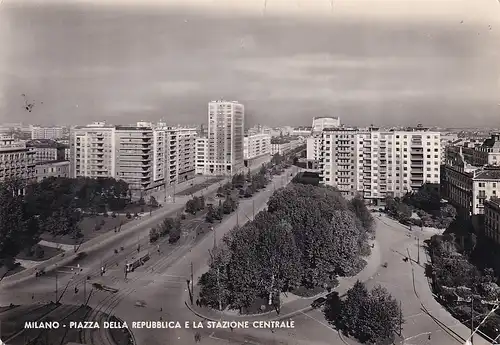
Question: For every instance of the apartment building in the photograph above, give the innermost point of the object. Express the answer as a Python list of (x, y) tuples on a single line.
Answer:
[(225, 137), (377, 163), (321, 123), (282, 145), (93, 150), (468, 186), (146, 156), (181, 148), (46, 150), (492, 219), (52, 169), (134, 156), (39, 132), (16, 161), (256, 145), (300, 131), (201, 154)]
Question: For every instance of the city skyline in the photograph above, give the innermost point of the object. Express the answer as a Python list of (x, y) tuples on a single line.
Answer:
[(123, 64)]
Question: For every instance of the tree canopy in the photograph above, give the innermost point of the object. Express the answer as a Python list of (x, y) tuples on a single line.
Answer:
[(373, 317), (307, 237)]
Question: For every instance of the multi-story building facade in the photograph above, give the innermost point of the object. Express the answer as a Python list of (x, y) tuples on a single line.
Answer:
[(47, 150), (182, 142), (256, 145), (145, 156), (38, 132), (225, 138), (16, 161), (201, 154), (283, 145), (93, 150), (52, 169), (321, 123), (300, 131), (376, 163), (492, 219), (134, 156), (468, 186)]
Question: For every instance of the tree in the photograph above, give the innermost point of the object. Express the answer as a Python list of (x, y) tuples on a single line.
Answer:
[(221, 192), (154, 235), (210, 214), (427, 198), (227, 206), (153, 202), (166, 226), (19, 228), (191, 207), (359, 208), (372, 317)]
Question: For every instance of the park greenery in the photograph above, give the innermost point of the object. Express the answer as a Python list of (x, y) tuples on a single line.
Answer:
[(372, 317), (459, 274), (170, 227), (55, 205), (426, 203), (307, 237)]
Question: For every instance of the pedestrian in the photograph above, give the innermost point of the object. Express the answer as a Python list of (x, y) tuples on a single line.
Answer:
[(429, 337), (231, 328)]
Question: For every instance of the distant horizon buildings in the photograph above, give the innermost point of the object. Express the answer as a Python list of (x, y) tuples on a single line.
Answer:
[(321, 123), (52, 132)]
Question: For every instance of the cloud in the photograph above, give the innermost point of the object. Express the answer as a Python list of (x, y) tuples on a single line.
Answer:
[(173, 88)]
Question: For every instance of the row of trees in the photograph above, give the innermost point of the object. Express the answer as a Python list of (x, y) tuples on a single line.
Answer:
[(426, 202), (195, 205), (170, 227), (457, 280), (373, 317), (307, 237)]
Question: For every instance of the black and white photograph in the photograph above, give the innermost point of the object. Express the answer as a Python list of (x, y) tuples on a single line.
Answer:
[(249, 172)]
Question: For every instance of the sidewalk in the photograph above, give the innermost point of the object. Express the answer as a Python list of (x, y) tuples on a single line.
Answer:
[(106, 239), (296, 305)]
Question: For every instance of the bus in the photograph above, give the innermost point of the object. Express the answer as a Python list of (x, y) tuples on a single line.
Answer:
[(137, 260)]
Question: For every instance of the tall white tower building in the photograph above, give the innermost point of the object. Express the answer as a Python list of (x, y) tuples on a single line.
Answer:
[(225, 137)]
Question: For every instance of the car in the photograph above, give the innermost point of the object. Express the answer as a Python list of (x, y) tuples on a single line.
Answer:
[(318, 302)]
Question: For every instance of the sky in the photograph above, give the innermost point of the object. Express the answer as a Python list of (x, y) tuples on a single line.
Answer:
[(381, 62)]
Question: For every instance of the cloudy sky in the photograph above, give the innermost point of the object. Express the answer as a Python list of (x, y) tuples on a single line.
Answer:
[(374, 61)]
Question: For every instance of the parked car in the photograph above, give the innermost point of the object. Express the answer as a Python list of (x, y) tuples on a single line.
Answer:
[(318, 302)]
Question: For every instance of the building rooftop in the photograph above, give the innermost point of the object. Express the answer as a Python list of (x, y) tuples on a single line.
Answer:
[(489, 173), (43, 143)]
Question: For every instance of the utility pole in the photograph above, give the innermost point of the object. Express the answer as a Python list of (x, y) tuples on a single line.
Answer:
[(218, 288), (192, 283), (418, 250), (56, 285), (215, 238), (166, 189), (174, 191), (237, 218), (472, 320), (400, 319), (253, 209)]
